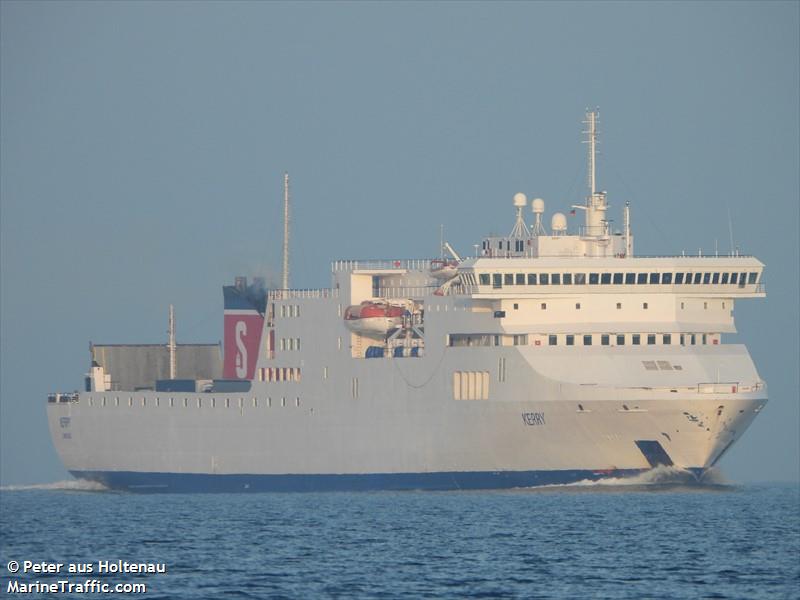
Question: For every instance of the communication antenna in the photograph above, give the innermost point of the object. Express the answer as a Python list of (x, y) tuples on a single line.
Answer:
[(538, 210), (595, 207), (285, 280), (173, 363), (628, 238), (520, 228), (730, 228)]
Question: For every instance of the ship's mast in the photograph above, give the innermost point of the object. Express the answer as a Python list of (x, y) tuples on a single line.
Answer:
[(173, 362), (596, 223), (285, 280)]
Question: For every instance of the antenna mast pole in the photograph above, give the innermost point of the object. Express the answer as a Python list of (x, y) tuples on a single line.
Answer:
[(173, 363), (285, 281)]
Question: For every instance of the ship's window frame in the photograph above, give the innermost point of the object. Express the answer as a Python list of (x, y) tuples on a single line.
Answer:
[(520, 279), (655, 278), (683, 339), (544, 306), (651, 339), (706, 278), (544, 279), (645, 306), (484, 279), (725, 277), (497, 281), (630, 278), (570, 340), (620, 339), (594, 278), (752, 278), (618, 277), (693, 339), (636, 339), (698, 278), (555, 278), (508, 279), (734, 278), (666, 278), (605, 278), (587, 339), (715, 278), (641, 278), (577, 306), (605, 339), (531, 278), (580, 278), (666, 339), (619, 305), (566, 279), (705, 339), (679, 278), (552, 340)]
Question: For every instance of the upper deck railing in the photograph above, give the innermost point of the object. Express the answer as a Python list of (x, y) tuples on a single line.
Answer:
[(304, 293), (407, 264)]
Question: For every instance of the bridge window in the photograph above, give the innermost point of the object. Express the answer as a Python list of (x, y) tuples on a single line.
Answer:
[(483, 278), (620, 339), (508, 279), (556, 278), (605, 278), (705, 339), (531, 278), (587, 340), (667, 339), (618, 278), (497, 280), (666, 278), (520, 278), (651, 339), (742, 277), (678, 278), (654, 277), (636, 339), (567, 279), (725, 277), (594, 278), (706, 278), (552, 340), (570, 340), (715, 279), (630, 278), (604, 339), (734, 278), (641, 278), (752, 277), (544, 279), (697, 278), (580, 278)]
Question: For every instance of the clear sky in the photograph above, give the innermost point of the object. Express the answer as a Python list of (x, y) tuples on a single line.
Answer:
[(142, 147)]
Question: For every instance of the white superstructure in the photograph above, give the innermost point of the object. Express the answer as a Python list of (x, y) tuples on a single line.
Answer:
[(548, 357)]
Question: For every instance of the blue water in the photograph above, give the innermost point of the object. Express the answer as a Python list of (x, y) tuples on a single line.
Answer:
[(640, 540)]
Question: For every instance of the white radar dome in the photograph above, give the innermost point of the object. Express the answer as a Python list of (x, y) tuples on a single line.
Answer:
[(520, 199), (538, 206), (558, 222)]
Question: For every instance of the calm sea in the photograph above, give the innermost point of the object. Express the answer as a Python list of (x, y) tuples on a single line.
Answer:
[(639, 540)]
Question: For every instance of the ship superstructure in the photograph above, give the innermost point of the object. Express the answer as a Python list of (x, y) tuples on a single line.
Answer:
[(547, 357)]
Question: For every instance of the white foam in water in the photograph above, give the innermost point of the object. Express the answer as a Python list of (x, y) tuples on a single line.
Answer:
[(69, 485), (660, 475)]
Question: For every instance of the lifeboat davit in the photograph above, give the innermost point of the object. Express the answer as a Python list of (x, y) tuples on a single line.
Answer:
[(374, 318), (444, 269)]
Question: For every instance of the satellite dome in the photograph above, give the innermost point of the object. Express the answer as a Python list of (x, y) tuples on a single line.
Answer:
[(538, 206), (558, 222), (520, 200)]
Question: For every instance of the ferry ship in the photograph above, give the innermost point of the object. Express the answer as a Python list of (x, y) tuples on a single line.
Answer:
[(546, 357)]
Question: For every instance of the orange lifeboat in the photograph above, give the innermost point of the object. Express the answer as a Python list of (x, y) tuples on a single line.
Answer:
[(374, 318)]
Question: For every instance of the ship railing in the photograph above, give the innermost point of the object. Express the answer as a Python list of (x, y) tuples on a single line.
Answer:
[(404, 264), (58, 398), (303, 293), (418, 291)]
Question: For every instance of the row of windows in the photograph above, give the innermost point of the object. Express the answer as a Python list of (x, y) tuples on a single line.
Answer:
[(498, 280), (276, 374), (198, 402), (471, 340), (634, 339)]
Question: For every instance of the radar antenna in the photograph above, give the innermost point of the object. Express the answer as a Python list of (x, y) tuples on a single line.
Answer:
[(285, 280)]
